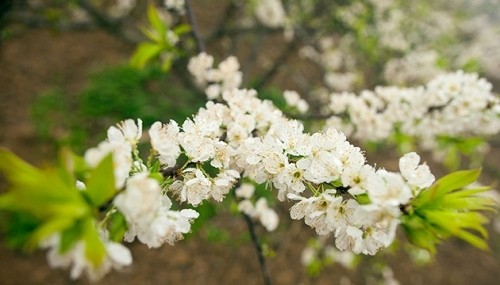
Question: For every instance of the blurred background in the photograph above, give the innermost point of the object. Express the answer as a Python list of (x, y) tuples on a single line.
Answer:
[(66, 75)]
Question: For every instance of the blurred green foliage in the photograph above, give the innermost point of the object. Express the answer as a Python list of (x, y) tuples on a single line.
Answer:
[(448, 208), (113, 94)]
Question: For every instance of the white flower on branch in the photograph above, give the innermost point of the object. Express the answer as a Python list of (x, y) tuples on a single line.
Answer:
[(117, 256), (270, 13), (177, 5), (419, 176), (121, 142), (293, 99), (164, 141), (148, 213)]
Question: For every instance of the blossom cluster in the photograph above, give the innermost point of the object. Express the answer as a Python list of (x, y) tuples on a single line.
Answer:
[(411, 47), (333, 188), (270, 13), (117, 257), (226, 76), (322, 172), (451, 105), (293, 100), (247, 137)]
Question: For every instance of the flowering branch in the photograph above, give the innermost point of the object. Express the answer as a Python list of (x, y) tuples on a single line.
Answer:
[(258, 247), (333, 188)]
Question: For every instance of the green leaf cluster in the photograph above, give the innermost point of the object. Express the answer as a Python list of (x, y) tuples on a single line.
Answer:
[(44, 202), (448, 208), (161, 43)]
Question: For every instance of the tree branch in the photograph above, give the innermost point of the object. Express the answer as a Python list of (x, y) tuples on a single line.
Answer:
[(258, 248), (194, 26)]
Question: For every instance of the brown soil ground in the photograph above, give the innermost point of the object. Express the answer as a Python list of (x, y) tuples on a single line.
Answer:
[(37, 59)]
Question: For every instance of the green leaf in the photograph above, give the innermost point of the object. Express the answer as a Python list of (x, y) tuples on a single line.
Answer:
[(17, 228), (448, 209), (16, 170), (473, 240), (41, 193), (47, 229), (155, 20), (453, 181), (73, 163), (419, 233), (167, 62), (363, 199), (144, 53), (468, 200), (117, 226), (101, 184), (182, 29), (48, 196), (95, 251), (69, 237), (457, 180)]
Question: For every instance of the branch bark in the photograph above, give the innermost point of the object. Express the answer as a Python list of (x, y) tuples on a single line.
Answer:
[(260, 253)]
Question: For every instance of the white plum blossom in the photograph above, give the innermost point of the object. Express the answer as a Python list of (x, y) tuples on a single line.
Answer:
[(199, 65), (293, 99), (141, 198), (416, 175), (261, 212), (229, 74), (127, 131), (121, 8), (350, 239), (223, 183), (270, 13), (117, 256), (226, 76), (195, 188), (164, 140), (120, 144), (394, 192), (267, 216), (177, 5), (245, 190), (223, 155), (148, 215), (197, 146), (290, 180)]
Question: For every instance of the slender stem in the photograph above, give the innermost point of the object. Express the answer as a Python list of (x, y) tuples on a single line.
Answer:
[(258, 248), (194, 26)]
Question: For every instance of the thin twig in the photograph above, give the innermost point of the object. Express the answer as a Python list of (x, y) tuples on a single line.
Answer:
[(194, 26), (258, 247)]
